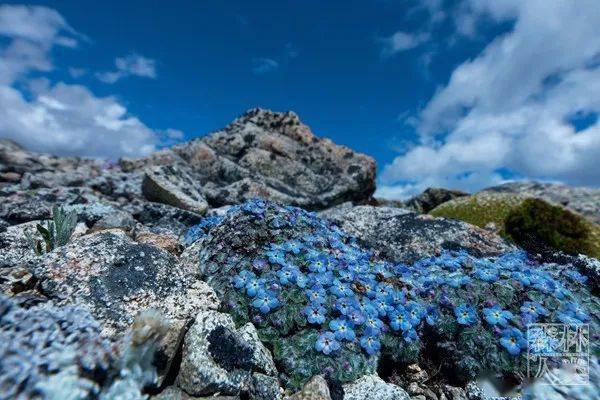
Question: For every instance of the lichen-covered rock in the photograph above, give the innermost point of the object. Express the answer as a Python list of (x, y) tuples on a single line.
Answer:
[(173, 185), (17, 256), (431, 198), (218, 358), (315, 389), (174, 393), (34, 170), (372, 387), (264, 387), (52, 350), (162, 218), (403, 236), (585, 201), (117, 220), (15, 249), (272, 155), (116, 278), (23, 206), (163, 241)]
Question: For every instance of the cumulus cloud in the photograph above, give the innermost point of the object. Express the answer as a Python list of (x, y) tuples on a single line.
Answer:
[(56, 117), (402, 41), (131, 65), (261, 66), (510, 108)]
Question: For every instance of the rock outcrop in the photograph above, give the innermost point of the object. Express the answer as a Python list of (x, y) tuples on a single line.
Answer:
[(271, 155), (585, 201), (404, 236), (431, 198)]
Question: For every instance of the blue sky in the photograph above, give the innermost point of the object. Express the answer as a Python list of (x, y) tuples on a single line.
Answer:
[(460, 94)]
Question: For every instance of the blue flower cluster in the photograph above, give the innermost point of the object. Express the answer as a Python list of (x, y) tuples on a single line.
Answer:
[(352, 299), (345, 291), (198, 231)]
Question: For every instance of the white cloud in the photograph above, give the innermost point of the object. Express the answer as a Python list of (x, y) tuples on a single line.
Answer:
[(57, 117), (77, 72), (131, 65), (508, 108), (401, 41), (261, 66)]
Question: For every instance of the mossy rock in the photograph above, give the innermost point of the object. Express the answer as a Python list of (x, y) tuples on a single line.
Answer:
[(523, 220)]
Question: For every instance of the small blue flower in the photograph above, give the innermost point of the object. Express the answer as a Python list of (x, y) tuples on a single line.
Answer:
[(343, 305), (301, 280), (287, 275), (315, 314), (497, 316), (374, 323), (465, 315), (356, 316), (326, 343), (513, 341), (318, 264), (572, 313), (545, 285), (533, 309), (399, 320), (342, 329), (276, 257), (316, 294), (254, 285), (241, 279), (346, 276), (265, 301), (415, 312), (382, 306), (384, 290), (487, 274), (293, 246), (522, 277), (370, 342)]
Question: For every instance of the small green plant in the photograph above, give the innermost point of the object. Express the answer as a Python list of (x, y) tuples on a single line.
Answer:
[(56, 233)]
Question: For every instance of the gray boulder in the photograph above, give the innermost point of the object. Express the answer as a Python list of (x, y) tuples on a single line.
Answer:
[(315, 389), (372, 387), (218, 358), (116, 278), (173, 185), (270, 155), (404, 236), (431, 198)]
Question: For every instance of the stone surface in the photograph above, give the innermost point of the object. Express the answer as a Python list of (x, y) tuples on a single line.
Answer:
[(117, 220), (164, 241), (218, 358), (116, 278), (264, 387), (585, 201), (271, 155), (431, 198), (403, 236), (315, 389), (173, 185), (372, 387), (47, 349), (174, 393)]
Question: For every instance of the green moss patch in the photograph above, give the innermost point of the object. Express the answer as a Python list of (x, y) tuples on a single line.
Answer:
[(525, 219)]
